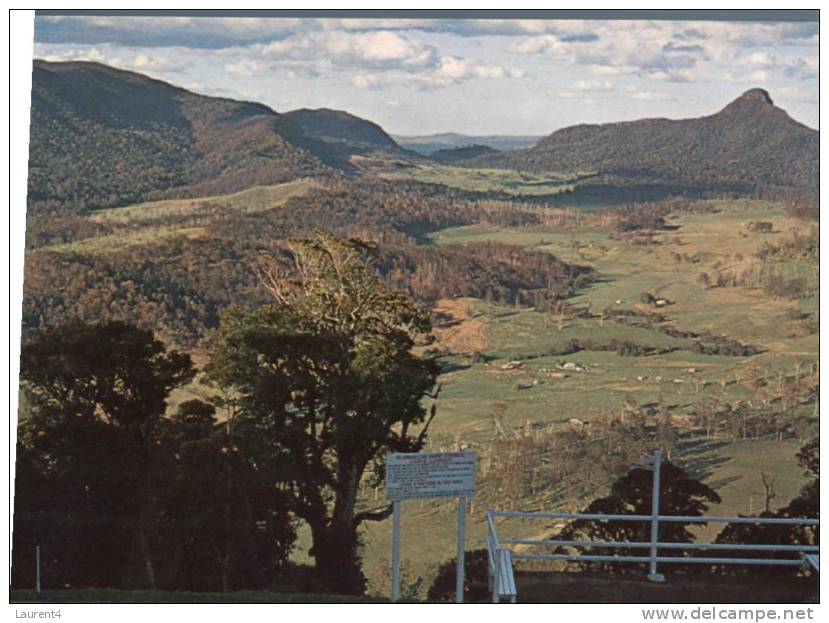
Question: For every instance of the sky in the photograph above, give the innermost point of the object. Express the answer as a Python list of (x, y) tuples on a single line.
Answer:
[(480, 77)]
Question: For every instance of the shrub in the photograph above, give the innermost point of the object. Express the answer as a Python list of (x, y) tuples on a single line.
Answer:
[(475, 581)]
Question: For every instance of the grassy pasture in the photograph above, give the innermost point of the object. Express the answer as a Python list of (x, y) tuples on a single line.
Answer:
[(255, 199), (115, 242), (145, 221), (627, 271), (518, 184)]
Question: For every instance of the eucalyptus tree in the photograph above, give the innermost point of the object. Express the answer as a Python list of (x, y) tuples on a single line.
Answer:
[(326, 378)]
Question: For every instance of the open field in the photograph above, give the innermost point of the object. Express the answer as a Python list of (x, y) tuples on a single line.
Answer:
[(251, 200), (626, 272), (145, 223), (500, 181)]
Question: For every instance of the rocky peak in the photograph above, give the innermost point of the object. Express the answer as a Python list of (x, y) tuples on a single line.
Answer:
[(755, 99)]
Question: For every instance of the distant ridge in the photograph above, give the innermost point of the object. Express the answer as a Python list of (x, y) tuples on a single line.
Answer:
[(748, 145), (104, 137), (458, 154), (334, 136), (430, 143)]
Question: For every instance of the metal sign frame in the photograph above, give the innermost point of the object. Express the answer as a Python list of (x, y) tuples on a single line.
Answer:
[(442, 475)]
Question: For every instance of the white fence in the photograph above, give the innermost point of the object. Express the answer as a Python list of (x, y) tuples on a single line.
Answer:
[(501, 578)]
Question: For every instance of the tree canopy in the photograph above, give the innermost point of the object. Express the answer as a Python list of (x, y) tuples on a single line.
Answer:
[(327, 376), (116, 493)]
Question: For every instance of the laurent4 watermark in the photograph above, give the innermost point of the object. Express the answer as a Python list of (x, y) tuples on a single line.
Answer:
[(718, 613)]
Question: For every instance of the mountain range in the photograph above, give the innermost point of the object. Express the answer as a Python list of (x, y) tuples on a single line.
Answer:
[(103, 137), (749, 144)]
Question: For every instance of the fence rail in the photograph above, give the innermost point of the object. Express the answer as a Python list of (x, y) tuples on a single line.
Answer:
[(495, 544)]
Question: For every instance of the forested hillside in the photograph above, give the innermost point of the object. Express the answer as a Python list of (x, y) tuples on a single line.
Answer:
[(103, 137), (177, 271), (335, 135), (749, 145)]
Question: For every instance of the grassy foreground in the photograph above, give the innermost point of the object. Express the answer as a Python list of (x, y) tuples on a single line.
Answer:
[(116, 596), (533, 587), (585, 588)]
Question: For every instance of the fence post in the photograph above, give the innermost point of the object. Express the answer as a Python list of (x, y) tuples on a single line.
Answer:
[(37, 569), (490, 568), (656, 463), (496, 595)]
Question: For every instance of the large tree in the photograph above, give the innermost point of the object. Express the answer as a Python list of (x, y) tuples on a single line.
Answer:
[(97, 395), (327, 376)]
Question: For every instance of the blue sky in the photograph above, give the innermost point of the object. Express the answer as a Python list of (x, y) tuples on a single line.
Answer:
[(470, 76)]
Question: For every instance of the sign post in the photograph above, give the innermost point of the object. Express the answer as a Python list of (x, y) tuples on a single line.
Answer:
[(395, 551), (459, 570), (412, 476)]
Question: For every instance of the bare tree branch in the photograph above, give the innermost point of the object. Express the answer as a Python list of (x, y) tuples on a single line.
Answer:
[(374, 515)]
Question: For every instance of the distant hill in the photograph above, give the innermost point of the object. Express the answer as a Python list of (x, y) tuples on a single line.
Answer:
[(431, 143), (458, 154), (105, 137), (334, 136), (748, 145)]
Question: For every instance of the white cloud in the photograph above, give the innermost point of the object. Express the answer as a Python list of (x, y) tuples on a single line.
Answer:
[(765, 60), (246, 67), (168, 62), (372, 49), (161, 64), (84, 54), (450, 70), (669, 51), (593, 85), (453, 69), (794, 94), (758, 76), (650, 96), (801, 68), (162, 31), (585, 90), (368, 81)]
